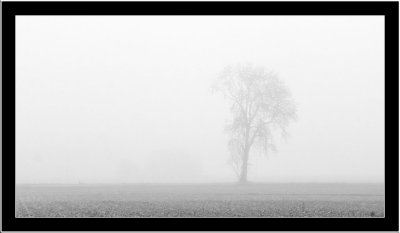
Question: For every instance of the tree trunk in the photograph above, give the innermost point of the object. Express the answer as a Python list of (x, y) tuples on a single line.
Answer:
[(243, 174)]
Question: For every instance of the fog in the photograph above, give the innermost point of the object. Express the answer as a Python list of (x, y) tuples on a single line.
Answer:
[(127, 99)]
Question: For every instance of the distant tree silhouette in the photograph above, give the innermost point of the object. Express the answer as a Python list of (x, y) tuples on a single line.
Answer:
[(261, 105)]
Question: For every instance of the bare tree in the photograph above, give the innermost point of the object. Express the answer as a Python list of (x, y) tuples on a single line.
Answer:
[(261, 105)]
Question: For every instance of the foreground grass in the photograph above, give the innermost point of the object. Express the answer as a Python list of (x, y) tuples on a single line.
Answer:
[(262, 200)]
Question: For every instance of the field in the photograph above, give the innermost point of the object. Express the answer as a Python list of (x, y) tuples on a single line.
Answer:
[(203, 200)]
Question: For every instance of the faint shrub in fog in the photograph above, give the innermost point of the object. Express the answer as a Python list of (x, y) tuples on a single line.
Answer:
[(261, 104)]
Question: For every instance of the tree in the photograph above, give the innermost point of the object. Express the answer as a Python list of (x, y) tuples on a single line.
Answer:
[(261, 106)]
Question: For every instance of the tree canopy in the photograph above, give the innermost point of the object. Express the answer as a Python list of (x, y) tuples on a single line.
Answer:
[(260, 104)]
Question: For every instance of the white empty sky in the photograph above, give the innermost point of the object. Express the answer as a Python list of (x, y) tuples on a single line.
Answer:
[(104, 99)]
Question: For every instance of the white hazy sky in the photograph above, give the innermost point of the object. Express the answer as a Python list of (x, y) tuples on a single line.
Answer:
[(127, 98)]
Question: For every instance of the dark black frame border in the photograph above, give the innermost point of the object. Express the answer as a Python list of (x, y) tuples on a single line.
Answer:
[(388, 9)]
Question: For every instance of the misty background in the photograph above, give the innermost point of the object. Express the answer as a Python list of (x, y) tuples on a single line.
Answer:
[(127, 99)]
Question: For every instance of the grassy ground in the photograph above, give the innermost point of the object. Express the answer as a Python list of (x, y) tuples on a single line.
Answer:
[(205, 200)]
